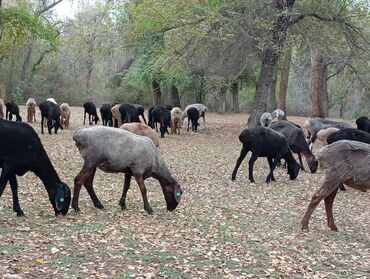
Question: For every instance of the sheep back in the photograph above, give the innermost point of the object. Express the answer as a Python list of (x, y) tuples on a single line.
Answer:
[(142, 130)]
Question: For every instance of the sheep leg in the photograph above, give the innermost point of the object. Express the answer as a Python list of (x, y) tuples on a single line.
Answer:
[(90, 189), (251, 164), (204, 121), (342, 188), (300, 161), (243, 153), (3, 181), (140, 182), (14, 187), (84, 117), (126, 186), (329, 210), (50, 125), (272, 165)]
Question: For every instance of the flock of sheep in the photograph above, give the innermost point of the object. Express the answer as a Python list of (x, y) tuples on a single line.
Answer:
[(132, 150)]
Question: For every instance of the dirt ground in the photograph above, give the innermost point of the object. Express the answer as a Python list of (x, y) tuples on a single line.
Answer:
[(221, 229)]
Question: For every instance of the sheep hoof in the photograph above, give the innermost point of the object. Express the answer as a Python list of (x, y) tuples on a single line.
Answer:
[(20, 213), (99, 205), (123, 207), (233, 178), (334, 228), (251, 180), (149, 210)]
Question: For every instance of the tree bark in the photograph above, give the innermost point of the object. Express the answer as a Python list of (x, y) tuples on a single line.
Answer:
[(284, 81), (325, 95), (175, 98), (221, 99), (271, 96), (270, 59), (156, 93), (201, 93), (89, 63), (317, 84), (235, 93), (26, 62)]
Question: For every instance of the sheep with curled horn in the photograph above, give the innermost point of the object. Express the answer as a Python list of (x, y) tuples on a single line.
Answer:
[(347, 162), (267, 117), (119, 151)]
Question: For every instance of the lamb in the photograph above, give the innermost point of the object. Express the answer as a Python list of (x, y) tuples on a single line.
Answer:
[(347, 163), (175, 120), (314, 125), (363, 123), (12, 108), (21, 151), (202, 111), (266, 117), (162, 116), (50, 112), (116, 116), (116, 150), (90, 109), (349, 134), (265, 142), (140, 111), (142, 130), (106, 115), (193, 116), (31, 110), (297, 142), (323, 134), (128, 113), (52, 100), (2, 108), (65, 114)]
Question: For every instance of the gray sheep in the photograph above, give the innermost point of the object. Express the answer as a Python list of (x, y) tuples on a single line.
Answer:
[(347, 163), (117, 150)]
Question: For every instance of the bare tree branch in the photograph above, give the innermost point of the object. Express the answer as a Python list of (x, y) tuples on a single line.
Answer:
[(48, 7)]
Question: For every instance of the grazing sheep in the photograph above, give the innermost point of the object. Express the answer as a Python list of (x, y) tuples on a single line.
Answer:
[(128, 114), (140, 111), (21, 151), (12, 108), (314, 125), (116, 116), (50, 112), (202, 112), (297, 142), (2, 108), (266, 117), (65, 114), (106, 115), (323, 134), (193, 116), (363, 123), (162, 116), (349, 134), (142, 130), (90, 109), (347, 163), (52, 100), (116, 150), (175, 120), (265, 142), (31, 110)]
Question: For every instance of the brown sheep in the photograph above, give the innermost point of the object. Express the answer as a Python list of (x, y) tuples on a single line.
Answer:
[(2, 105), (31, 110), (175, 120), (347, 163), (65, 114), (325, 133), (116, 116), (142, 130)]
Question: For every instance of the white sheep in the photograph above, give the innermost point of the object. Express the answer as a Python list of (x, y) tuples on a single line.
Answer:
[(176, 120), (116, 116), (347, 162), (51, 100), (200, 107), (116, 150), (267, 117)]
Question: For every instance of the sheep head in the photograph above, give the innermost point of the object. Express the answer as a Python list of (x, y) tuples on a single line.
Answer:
[(312, 163), (61, 198), (293, 170), (172, 194)]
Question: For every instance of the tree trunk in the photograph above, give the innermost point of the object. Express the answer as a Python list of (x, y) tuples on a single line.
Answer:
[(317, 84), (271, 96), (156, 93), (89, 63), (325, 95), (221, 99), (26, 62), (235, 93), (201, 93), (270, 59), (175, 98), (284, 81)]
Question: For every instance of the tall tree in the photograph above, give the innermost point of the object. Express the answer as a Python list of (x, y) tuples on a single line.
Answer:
[(284, 80)]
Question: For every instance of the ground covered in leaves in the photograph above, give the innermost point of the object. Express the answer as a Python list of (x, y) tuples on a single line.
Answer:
[(221, 229)]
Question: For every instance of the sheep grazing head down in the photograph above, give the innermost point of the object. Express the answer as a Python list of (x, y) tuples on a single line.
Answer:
[(172, 194), (61, 198)]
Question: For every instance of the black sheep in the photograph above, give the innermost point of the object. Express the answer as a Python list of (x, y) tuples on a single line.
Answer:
[(265, 142), (21, 151), (193, 116), (90, 109), (128, 114), (50, 112), (349, 134), (106, 115), (140, 111), (12, 108), (363, 123), (160, 115)]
